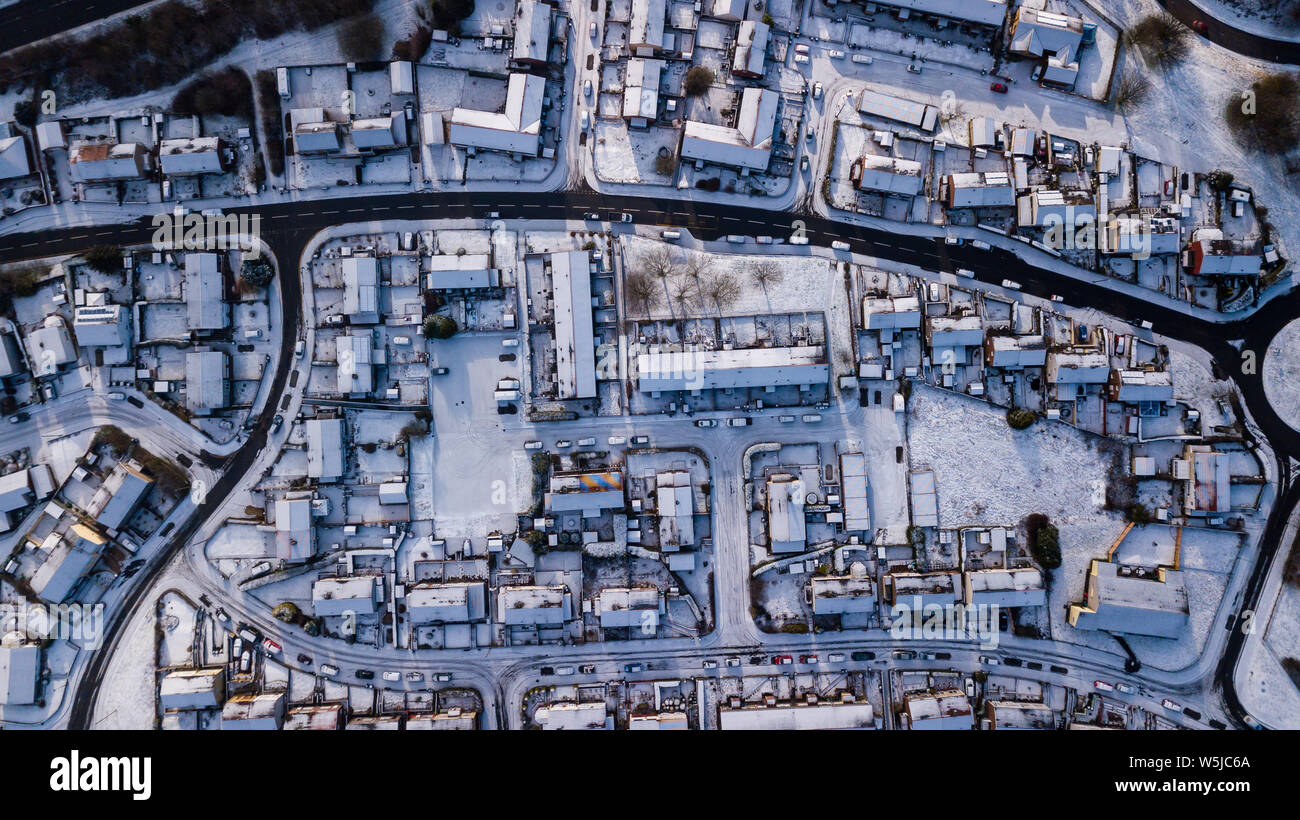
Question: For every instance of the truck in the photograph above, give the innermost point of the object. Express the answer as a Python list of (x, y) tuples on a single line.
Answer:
[(812, 418)]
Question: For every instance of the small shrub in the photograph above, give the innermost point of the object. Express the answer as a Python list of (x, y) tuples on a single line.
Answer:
[(1139, 514), (698, 81), (1163, 40), (1019, 418), (440, 327), (1046, 547), (105, 258)]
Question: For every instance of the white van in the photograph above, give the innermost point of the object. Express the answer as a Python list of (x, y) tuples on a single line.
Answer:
[(671, 235), (1010, 284)]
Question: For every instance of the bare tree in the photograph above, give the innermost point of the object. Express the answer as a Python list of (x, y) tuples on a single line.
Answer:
[(698, 267), (642, 292), (1164, 40), (684, 292), (1132, 89), (722, 289), (658, 262), (765, 272)]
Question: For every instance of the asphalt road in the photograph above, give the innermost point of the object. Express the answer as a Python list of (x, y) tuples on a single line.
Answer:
[(286, 227), (30, 20), (1234, 39)]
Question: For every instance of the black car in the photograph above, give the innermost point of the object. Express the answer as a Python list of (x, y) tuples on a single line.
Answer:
[(1060, 670), (277, 422), (943, 656), (588, 669), (1035, 665), (17, 417), (863, 656), (365, 674), (548, 670), (440, 371), (506, 357), (1191, 713), (1013, 662), (1216, 724), (305, 660), (757, 659), (507, 409)]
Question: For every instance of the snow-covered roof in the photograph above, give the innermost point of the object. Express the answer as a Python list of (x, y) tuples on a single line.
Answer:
[(532, 605), (361, 289), (1005, 587), (102, 325), (336, 596), (853, 485), (185, 689), (575, 351), (890, 175), (717, 369), (206, 386), (102, 161), (620, 607), (838, 594), (983, 132), (646, 28), (915, 114), (380, 132), (733, 10), (401, 78), (1077, 367), (73, 555), (798, 716), (641, 88), (751, 49), (354, 354), (16, 490), (1016, 351), (295, 537), (317, 136), (49, 135), (1038, 33), (1141, 602), (748, 145), (447, 603), (195, 155), (13, 157), (676, 508), (517, 129), (50, 346), (884, 313), (786, 527), (980, 190), (532, 31), (204, 307), (325, 449), (947, 710), (20, 669), (461, 271), (983, 12), (124, 488)]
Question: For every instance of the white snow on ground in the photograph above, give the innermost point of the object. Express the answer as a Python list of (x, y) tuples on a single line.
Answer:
[(987, 473), (1273, 697), (1282, 374), (1277, 19)]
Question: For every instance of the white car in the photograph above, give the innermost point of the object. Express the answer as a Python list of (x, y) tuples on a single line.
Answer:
[(840, 245), (817, 91), (591, 29), (585, 120), (1103, 686), (981, 244), (586, 88), (835, 54), (801, 58), (1010, 284), (300, 348), (614, 441), (328, 670), (1125, 688), (532, 445), (392, 676)]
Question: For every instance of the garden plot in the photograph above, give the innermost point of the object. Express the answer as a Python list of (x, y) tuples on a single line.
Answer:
[(631, 156)]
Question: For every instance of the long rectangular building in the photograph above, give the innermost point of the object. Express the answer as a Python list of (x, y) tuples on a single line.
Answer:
[(575, 344), (717, 369)]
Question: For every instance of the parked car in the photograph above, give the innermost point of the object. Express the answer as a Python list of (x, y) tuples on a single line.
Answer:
[(277, 422), (913, 68), (1013, 662), (300, 348), (633, 668), (392, 676), (271, 647), (740, 421), (835, 657), (365, 674), (809, 659), (863, 656), (586, 88), (840, 245), (305, 660), (1200, 27), (591, 29), (1125, 688), (329, 670), (710, 664), (706, 422), (782, 660), (640, 441), (18, 417), (587, 669), (1001, 88), (563, 443), (989, 660), (1060, 670), (442, 677), (440, 371), (733, 661)]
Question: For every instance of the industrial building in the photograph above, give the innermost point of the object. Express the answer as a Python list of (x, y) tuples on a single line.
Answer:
[(575, 341), (721, 369), (1133, 601)]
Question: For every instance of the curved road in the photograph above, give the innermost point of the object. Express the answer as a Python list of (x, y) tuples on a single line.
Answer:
[(1223, 34)]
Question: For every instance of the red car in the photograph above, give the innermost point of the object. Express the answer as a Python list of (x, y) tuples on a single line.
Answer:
[(809, 659), (781, 660), (1001, 88), (1200, 27)]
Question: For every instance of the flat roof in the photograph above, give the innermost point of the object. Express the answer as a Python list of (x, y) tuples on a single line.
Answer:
[(575, 350), (717, 369)]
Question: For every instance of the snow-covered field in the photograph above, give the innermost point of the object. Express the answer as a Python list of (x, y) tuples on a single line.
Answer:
[(1282, 374)]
